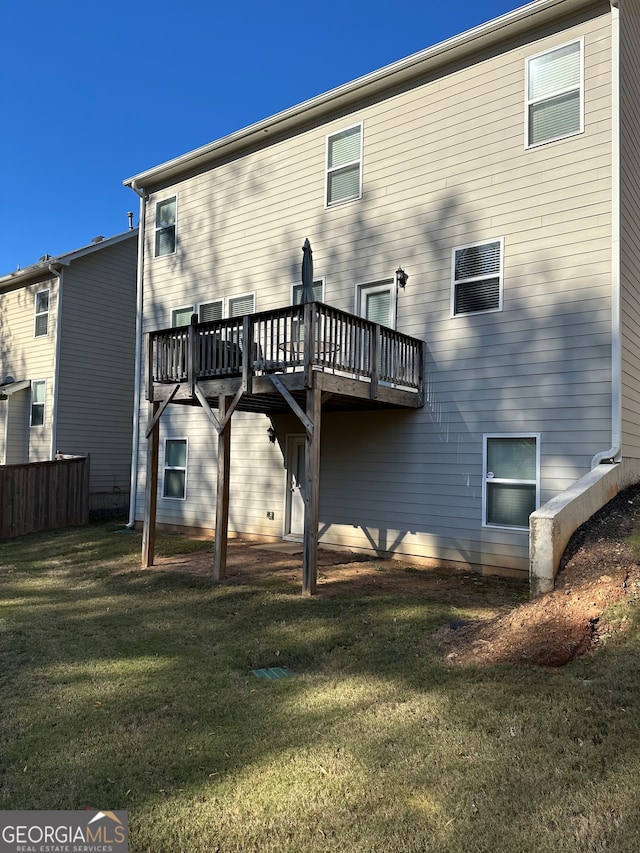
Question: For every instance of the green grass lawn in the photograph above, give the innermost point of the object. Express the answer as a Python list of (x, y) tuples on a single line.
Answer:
[(130, 689)]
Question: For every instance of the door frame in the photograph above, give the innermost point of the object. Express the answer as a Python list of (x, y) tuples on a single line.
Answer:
[(293, 442)]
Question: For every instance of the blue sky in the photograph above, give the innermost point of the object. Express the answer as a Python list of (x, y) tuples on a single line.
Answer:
[(92, 93)]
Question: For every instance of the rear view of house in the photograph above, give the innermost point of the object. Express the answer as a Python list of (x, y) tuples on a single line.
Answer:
[(473, 210), (67, 333)]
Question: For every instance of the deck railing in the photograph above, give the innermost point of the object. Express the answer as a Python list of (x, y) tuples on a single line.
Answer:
[(299, 337)]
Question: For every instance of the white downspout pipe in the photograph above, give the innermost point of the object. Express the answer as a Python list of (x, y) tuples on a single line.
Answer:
[(135, 444), (613, 454), (53, 446)]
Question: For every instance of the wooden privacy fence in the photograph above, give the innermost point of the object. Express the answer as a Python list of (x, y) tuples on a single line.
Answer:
[(43, 495)]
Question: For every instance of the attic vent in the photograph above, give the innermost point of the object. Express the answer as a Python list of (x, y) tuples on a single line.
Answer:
[(98, 239)]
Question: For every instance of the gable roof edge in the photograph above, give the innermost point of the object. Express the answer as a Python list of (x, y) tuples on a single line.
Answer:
[(463, 44), (35, 271)]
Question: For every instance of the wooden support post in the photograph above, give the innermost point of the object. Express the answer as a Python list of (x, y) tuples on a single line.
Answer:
[(222, 495), (312, 497), (151, 493), (374, 357), (192, 356)]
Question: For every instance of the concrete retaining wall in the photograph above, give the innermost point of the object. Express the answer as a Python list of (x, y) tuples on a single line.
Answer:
[(552, 526)]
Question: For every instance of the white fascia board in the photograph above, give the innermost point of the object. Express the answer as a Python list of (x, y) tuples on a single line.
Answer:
[(479, 38)]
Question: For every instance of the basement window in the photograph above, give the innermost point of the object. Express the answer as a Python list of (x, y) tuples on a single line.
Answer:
[(511, 488), (175, 469)]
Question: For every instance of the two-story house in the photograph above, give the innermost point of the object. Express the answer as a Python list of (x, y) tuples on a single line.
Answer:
[(67, 353), (472, 350)]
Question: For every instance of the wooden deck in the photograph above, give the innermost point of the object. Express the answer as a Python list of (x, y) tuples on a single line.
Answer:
[(304, 359), (359, 363)]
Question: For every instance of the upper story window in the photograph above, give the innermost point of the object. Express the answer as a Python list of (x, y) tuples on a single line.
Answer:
[(318, 292), (344, 165), (165, 227), (181, 316), (477, 278), (42, 314), (555, 87), (240, 305), (511, 479), (209, 311), (38, 396), (234, 306)]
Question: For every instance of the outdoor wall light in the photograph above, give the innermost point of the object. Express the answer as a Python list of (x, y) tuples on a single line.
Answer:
[(401, 277), (272, 434)]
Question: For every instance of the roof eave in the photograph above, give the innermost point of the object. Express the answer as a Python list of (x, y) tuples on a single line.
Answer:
[(479, 38), (36, 272)]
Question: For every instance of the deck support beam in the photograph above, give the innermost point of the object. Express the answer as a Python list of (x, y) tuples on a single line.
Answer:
[(222, 494), (312, 497), (151, 492)]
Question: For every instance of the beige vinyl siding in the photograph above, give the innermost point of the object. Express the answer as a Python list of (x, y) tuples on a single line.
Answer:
[(630, 225), (444, 165), (96, 370), (18, 412), (24, 356)]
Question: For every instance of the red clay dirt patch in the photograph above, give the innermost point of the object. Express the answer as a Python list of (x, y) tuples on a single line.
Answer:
[(599, 567)]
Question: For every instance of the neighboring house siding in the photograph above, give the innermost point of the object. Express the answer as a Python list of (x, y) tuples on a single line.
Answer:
[(17, 412), (25, 356), (96, 370), (630, 225), (444, 165)]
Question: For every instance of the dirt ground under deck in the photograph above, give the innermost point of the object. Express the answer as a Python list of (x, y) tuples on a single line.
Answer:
[(599, 568)]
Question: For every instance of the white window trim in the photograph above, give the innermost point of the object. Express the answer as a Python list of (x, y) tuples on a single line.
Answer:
[(156, 229), (166, 467), (234, 296), (298, 284), (327, 170), (179, 308), (208, 302), (41, 313), (452, 307), (35, 382), (374, 286), (489, 435), (528, 102), (225, 300)]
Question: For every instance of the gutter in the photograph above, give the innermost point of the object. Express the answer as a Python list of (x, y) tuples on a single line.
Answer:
[(614, 453), (135, 443), (349, 94), (58, 273)]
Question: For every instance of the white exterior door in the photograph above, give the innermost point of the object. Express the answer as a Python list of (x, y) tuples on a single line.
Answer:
[(377, 303), (296, 487)]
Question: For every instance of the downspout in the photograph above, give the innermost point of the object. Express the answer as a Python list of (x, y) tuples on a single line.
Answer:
[(614, 453), (53, 448), (135, 444)]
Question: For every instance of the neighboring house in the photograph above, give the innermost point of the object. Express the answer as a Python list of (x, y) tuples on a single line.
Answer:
[(67, 352), (499, 171)]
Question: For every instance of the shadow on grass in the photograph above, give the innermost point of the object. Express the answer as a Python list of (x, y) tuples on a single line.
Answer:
[(130, 689)]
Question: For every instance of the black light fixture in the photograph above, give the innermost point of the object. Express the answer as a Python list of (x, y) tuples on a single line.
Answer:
[(401, 278), (272, 434)]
